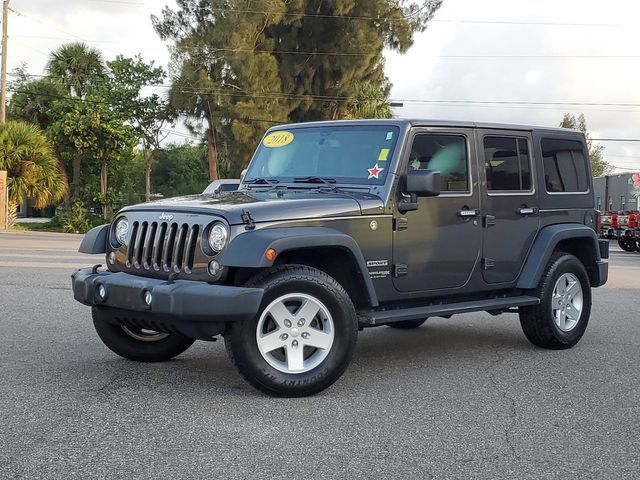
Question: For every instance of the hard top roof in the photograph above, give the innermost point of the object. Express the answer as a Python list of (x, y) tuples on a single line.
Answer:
[(430, 123)]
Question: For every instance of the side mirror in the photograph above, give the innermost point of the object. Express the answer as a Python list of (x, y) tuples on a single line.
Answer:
[(423, 183), (243, 174)]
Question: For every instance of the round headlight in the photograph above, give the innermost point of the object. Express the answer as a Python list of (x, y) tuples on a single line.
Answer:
[(218, 236), (122, 231)]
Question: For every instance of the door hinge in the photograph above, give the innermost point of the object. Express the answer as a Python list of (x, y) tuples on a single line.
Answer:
[(489, 221), (400, 270), (488, 263), (400, 224)]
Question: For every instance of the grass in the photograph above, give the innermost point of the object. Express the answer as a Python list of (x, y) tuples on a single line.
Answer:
[(50, 226)]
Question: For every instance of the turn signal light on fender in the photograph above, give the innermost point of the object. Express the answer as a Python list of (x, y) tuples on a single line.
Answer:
[(270, 254)]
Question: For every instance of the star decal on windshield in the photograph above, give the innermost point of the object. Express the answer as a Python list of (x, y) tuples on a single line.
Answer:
[(375, 172)]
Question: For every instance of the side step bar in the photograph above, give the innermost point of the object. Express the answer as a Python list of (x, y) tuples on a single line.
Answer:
[(382, 317)]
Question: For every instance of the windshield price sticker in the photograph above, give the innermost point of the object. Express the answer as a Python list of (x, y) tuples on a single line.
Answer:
[(384, 155), (278, 139)]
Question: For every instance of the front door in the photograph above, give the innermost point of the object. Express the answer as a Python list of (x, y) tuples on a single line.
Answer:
[(510, 203), (437, 246)]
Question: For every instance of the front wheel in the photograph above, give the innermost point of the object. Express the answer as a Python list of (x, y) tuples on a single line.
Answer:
[(561, 318), (138, 344), (303, 337)]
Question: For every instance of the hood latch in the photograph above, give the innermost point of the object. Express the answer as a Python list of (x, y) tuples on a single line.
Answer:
[(247, 220)]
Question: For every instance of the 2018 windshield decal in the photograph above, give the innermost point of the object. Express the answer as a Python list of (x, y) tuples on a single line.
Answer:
[(375, 172), (278, 139)]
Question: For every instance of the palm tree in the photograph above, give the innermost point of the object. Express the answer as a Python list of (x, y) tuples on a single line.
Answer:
[(368, 101), (76, 66), (32, 168)]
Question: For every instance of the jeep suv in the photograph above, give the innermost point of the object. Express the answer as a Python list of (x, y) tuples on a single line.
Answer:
[(340, 226)]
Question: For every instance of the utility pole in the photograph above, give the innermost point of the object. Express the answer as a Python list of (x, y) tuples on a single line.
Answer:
[(3, 87)]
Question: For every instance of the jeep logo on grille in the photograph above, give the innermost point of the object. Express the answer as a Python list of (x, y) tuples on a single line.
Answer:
[(164, 216)]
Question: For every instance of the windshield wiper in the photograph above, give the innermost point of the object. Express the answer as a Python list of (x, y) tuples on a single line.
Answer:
[(312, 179), (262, 181)]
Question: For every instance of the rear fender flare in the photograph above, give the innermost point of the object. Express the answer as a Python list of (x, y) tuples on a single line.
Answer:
[(544, 245)]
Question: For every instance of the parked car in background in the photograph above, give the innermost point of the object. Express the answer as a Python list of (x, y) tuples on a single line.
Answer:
[(218, 186), (621, 226)]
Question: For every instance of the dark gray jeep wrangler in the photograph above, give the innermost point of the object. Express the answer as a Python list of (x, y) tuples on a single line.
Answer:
[(339, 226)]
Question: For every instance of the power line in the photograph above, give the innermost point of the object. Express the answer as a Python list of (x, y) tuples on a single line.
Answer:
[(373, 18), (365, 54), (41, 22), (21, 14), (616, 139), (65, 38), (387, 19)]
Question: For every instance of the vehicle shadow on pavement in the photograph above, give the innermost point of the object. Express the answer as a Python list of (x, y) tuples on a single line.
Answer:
[(382, 352)]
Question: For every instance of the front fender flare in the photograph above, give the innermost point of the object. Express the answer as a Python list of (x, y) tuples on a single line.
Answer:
[(248, 249), (95, 241)]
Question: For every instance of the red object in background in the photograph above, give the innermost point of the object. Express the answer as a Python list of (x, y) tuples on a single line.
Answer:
[(614, 220), (632, 220)]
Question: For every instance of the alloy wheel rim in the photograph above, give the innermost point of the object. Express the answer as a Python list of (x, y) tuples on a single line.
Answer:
[(295, 333), (567, 302), (144, 335)]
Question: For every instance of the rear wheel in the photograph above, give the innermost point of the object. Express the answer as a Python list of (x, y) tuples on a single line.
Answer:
[(138, 344), (561, 318), (303, 337), (408, 324), (628, 244)]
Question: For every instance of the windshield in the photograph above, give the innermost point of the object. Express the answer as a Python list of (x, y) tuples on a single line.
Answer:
[(344, 154)]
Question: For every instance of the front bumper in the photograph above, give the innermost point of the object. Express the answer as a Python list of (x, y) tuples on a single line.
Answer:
[(176, 307)]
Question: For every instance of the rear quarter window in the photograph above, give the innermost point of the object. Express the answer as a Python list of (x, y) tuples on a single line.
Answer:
[(565, 166)]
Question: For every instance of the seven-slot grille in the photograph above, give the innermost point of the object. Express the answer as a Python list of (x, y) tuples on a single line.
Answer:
[(162, 246)]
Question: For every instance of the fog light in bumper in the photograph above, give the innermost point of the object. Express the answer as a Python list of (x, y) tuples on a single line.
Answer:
[(101, 291), (147, 297), (214, 268)]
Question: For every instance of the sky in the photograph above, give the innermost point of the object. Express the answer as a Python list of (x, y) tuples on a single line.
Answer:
[(543, 58)]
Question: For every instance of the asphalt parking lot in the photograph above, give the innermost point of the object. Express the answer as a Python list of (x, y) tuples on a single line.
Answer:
[(462, 398)]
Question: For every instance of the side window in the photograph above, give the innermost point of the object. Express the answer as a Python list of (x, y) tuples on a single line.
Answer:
[(565, 166), (507, 164), (445, 153)]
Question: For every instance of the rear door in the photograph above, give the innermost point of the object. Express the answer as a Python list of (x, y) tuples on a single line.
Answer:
[(510, 203)]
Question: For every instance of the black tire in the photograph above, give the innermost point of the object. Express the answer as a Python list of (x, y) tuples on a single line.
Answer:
[(628, 244), (538, 322), (116, 338), (278, 282), (408, 324)]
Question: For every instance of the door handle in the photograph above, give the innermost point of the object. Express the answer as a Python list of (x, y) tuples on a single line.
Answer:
[(527, 210), (467, 213)]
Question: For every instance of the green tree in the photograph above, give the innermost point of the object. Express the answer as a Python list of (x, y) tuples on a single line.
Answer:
[(181, 170), (33, 170), (369, 101), (242, 69), (98, 133), (148, 114), (78, 67), (599, 166), (34, 101)]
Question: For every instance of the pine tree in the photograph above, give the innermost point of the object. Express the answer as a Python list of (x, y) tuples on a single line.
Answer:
[(246, 66)]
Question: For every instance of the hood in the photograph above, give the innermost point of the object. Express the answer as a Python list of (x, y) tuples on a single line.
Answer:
[(270, 205)]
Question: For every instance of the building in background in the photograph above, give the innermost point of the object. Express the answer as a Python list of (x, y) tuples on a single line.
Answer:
[(615, 193)]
